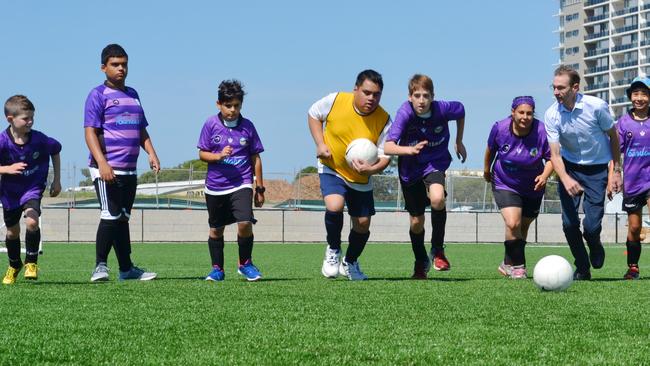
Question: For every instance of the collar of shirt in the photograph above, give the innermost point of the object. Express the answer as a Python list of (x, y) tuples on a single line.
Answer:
[(578, 105)]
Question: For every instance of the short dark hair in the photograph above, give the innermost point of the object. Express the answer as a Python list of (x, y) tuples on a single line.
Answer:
[(574, 77), (231, 89), (113, 50), (371, 75), (420, 81), (18, 104)]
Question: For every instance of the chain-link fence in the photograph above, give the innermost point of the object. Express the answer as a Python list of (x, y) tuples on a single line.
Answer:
[(183, 188)]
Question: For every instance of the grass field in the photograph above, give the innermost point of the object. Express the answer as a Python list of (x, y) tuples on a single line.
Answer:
[(469, 315)]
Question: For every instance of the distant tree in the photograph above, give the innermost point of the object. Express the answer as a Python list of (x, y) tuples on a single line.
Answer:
[(181, 172), (307, 170), (88, 181)]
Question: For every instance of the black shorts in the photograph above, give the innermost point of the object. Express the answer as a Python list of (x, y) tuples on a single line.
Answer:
[(416, 199), (12, 217), (230, 208), (529, 205), (116, 199), (636, 203)]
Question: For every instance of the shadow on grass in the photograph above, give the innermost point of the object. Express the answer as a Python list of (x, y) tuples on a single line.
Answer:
[(432, 279)]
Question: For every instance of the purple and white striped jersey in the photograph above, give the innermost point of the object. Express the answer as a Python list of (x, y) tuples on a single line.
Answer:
[(17, 189), (120, 118)]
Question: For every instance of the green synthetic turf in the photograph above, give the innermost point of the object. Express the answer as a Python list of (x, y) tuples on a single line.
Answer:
[(469, 315)]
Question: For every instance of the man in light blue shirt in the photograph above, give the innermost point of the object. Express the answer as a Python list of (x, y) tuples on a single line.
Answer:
[(586, 157)]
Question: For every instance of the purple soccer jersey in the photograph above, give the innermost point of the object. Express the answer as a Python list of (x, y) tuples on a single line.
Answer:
[(408, 129), (519, 160), (237, 169), (120, 117), (17, 189), (634, 138)]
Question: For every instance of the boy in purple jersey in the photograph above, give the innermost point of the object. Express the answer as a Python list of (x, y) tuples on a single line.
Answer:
[(420, 136), (115, 129), (634, 138), (231, 146), (24, 163), (517, 163)]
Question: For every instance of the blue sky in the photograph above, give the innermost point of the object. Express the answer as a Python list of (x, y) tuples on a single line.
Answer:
[(288, 54)]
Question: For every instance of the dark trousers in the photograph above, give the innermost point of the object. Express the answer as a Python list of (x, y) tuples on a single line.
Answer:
[(593, 179)]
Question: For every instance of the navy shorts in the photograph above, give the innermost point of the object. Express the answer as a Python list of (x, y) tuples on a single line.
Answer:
[(416, 199), (230, 208), (359, 203), (12, 217), (636, 203), (529, 205)]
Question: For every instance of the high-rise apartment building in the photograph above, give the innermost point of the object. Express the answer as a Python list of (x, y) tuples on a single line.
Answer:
[(608, 42)]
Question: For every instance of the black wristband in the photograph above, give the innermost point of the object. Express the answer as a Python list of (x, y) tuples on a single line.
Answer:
[(260, 189)]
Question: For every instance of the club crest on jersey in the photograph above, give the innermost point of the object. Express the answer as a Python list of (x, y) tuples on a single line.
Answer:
[(642, 133), (35, 155), (243, 141), (217, 139), (533, 151), (505, 148), (438, 129), (230, 140), (423, 129), (519, 150)]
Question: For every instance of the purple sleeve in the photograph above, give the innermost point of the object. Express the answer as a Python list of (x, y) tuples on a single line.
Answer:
[(145, 123), (402, 117), (94, 110), (53, 146), (205, 139), (492, 138), (621, 135), (256, 143), (452, 111)]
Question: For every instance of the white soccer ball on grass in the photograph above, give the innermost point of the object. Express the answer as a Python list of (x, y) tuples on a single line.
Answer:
[(362, 149), (553, 273)]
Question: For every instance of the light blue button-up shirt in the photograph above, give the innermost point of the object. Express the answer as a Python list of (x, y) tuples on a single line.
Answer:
[(582, 132)]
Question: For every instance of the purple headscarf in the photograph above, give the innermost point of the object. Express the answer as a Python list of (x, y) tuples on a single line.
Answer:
[(523, 100)]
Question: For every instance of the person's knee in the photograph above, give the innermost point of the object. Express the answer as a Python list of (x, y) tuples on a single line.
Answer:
[(244, 229), (13, 232), (513, 224), (361, 224), (438, 201), (216, 233), (417, 224)]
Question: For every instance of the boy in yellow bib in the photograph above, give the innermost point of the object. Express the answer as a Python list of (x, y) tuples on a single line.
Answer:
[(334, 121)]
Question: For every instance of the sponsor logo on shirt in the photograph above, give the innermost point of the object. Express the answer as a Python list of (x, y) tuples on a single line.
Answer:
[(438, 129), (116, 102), (243, 141), (533, 151), (505, 148), (233, 161), (31, 171), (127, 119), (35, 155), (217, 139), (628, 135)]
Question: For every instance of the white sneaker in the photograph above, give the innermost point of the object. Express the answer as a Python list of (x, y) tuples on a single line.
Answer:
[(331, 263), (100, 273), (352, 271)]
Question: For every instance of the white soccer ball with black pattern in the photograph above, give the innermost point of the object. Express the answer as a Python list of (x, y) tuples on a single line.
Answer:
[(553, 273), (362, 149)]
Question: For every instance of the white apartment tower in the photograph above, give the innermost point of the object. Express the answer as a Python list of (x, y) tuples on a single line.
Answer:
[(608, 43)]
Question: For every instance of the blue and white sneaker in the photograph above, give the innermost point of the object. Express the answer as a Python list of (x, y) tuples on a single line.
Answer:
[(216, 274), (249, 271), (136, 273)]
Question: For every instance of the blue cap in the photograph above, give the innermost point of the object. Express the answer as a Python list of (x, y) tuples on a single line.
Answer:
[(639, 81)]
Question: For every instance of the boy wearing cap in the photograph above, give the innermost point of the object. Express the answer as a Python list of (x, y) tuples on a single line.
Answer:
[(420, 137), (634, 138)]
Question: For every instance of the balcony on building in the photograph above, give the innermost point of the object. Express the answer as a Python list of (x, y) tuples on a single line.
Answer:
[(589, 3), (591, 87), (596, 35), (625, 11)]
